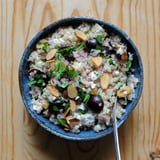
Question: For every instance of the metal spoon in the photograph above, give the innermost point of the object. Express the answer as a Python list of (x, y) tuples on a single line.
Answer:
[(115, 131)]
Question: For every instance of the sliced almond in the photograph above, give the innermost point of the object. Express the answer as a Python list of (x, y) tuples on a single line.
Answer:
[(105, 80), (121, 93), (51, 61), (93, 91), (66, 128), (72, 121), (72, 91), (72, 105), (66, 112), (68, 118), (53, 91), (97, 61), (81, 35), (45, 105), (43, 54), (124, 56), (51, 54), (52, 83), (119, 46), (39, 46), (46, 113)]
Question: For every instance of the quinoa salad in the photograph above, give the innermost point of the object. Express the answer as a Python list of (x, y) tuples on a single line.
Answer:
[(75, 75)]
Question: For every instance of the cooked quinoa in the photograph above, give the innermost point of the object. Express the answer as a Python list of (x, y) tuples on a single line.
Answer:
[(75, 74)]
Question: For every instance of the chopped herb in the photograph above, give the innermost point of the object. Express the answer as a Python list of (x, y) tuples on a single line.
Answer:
[(45, 43), (55, 108), (80, 46), (39, 43), (80, 81), (99, 47), (59, 57), (82, 111), (64, 84), (69, 50), (60, 69), (67, 106), (32, 82), (120, 86), (93, 66), (72, 73), (111, 62), (62, 121), (117, 82), (124, 73), (40, 81), (86, 98), (107, 57), (99, 38), (64, 71), (128, 64), (38, 76), (51, 73), (97, 74), (98, 95), (45, 46)]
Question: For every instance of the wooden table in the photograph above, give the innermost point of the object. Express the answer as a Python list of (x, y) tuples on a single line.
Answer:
[(20, 136)]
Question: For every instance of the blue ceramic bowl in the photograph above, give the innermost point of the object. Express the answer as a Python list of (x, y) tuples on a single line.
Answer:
[(24, 88)]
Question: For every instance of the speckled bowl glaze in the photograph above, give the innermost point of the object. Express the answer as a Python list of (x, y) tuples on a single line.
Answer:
[(24, 88)]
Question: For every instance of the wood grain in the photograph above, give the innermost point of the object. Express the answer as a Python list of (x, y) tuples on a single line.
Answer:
[(21, 137)]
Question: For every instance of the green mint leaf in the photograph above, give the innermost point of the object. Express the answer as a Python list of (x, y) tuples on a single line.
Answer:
[(79, 46), (67, 106), (98, 95), (107, 57), (64, 84), (39, 43), (62, 121), (99, 38), (72, 73), (60, 69), (59, 57), (128, 64), (51, 73), (82, 111), (40, 81), (111, 62), (99, 47), (68, 50), (80, 81), (45, 43), (86, 98), (38, 76), (55, 108), (45, 48), (31, 82)]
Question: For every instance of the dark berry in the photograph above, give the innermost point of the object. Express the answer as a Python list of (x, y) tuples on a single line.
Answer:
[(91, 43), (95, 103)]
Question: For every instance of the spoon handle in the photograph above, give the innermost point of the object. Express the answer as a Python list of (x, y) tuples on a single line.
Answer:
[(115, 130)]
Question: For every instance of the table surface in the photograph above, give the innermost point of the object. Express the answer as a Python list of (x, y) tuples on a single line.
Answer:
[(21, 137)]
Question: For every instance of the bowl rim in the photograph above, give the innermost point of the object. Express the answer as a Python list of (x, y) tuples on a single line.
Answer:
[(81, 19)]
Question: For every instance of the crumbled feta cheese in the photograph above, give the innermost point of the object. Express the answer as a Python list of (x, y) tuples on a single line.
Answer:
[(37, 108), (120, 51), (77, 66), (94, 75)]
